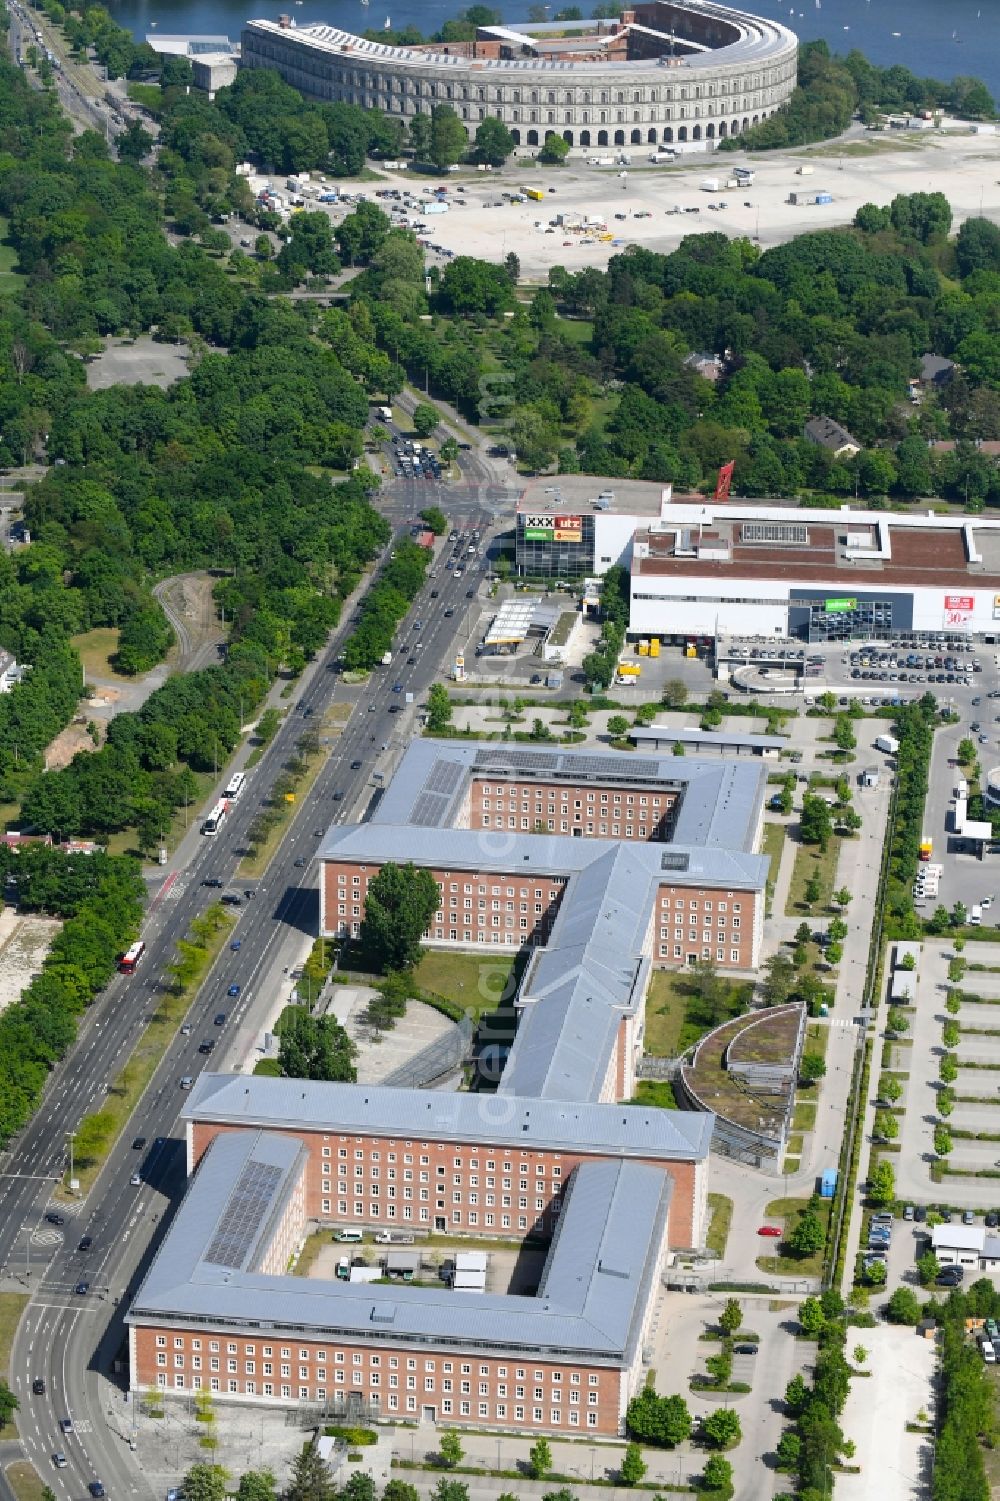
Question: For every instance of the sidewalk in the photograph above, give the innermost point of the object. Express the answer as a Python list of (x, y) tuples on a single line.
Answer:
[(585, 1459)]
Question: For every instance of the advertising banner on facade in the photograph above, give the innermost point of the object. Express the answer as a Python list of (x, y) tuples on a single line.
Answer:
[(538, 534), (840, 606), (959, 609)]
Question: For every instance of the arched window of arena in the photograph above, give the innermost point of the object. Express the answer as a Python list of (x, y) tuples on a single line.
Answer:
[(568, 137), (636, 137), (602, 138), (584, 137), (532, 137), (619, 137), (651, 137)]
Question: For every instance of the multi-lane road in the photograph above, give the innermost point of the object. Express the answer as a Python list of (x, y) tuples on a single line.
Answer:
[(71, 1340)]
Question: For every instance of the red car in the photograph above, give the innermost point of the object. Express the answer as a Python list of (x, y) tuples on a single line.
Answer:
[(769, 1230)]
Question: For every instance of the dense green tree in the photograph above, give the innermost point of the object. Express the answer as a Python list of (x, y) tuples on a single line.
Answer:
[(315, 1047), (400, 904), (205, 1482), (721, 1428), (449, 141), (310, 1477), (554, 149), (494, 142)]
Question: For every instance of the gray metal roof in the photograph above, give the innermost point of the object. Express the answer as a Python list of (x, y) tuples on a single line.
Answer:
[(542, 854), (295, 1104), (594, 967), (660, 733), (592, 972), (590, 1303), (430, 785)]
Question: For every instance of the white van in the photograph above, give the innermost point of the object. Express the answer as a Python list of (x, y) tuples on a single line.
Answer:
[(976, 915), (351, 1237)]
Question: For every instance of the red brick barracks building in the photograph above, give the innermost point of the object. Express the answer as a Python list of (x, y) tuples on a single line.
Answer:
[(638, 861)]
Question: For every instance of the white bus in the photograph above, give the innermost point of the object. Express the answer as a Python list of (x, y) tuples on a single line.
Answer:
[(128, 961), (235, 785), (213, 823)]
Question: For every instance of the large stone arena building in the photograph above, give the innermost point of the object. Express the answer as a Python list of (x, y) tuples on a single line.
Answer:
[(665, 72)]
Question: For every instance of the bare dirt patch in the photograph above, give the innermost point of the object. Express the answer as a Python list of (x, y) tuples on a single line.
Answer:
[(75, 737), (24, 943)]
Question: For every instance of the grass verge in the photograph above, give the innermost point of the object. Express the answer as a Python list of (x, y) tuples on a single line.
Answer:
[(817, 1037), (804, 1115), (12, 1306), (772, 844), (252, 867), (811, 861), (25, 1481), (721, 1210), (99, 1132)]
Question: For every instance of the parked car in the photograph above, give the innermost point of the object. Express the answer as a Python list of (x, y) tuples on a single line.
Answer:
[(769, 1230)]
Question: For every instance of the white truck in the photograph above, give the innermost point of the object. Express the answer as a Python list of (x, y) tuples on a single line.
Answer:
[(600, 161), (658, 158), (385, 414), (887, 743), (744, 176), (805, 170), (976, 915), (387, 659)]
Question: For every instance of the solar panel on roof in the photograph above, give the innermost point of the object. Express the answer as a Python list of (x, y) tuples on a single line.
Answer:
[(444, 776), (784, 533), (241, 1219)]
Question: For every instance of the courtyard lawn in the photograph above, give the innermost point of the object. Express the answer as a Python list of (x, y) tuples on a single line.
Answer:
[(811, 861), (675, 1016), (475, 982)]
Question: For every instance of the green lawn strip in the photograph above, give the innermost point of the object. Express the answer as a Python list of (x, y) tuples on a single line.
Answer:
[(790, 1211), (817, 1037), (99, 1131), (721, 1211), (310, 1251), (656, 1092), (804, 1115), (810, 861), (772, 844), (12, 1306)]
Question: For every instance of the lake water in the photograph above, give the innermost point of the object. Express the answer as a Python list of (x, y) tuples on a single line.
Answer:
[(936, 38)]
